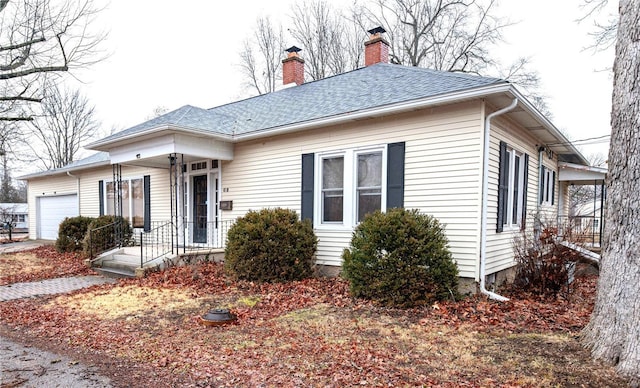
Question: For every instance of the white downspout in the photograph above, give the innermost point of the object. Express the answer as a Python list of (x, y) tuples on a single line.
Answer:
[(77, 187), (485, 193)]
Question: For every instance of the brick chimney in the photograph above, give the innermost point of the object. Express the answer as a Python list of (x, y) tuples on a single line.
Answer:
[(293, 67), (376, 49)]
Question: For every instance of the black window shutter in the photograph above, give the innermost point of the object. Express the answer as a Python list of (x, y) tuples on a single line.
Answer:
[(543, 187), (101, 197), (553, 187), (147, 202), (503, 187), (307, 187), (525, 187), (395, 175)]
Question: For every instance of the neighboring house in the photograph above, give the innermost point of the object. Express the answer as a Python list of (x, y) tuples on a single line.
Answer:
[(375, 138), (17, 213)]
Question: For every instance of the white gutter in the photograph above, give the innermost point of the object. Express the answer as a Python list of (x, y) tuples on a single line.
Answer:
[(485, 193), (548, 125), (77, 187)]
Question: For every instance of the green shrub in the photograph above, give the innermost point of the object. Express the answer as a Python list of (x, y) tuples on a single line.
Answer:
[(105, 238), (270, 245), (400, 258), (71, 233)]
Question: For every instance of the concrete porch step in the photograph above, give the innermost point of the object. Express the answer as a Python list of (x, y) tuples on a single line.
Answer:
[(115, 272)]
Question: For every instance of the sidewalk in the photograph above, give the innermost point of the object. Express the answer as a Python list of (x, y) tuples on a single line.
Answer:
[(22, 245), (31, 367), (49, 287)]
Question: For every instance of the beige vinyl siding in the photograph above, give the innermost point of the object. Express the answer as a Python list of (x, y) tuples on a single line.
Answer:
[(159, 194), (47, 186), (442, 172), (499, 252), (89, 191)]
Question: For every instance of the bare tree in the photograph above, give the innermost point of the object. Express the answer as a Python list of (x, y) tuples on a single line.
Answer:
[(604, 34), (39, 39), (261, 57), (157, 112), (613, 334), (332, 44), (65, 123), (10, 139), (447, 35), (8, 220)]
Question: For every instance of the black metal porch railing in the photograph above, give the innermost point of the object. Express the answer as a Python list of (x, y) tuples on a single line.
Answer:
[(105, 238), (581, 229), (157, 242), (199, 235)]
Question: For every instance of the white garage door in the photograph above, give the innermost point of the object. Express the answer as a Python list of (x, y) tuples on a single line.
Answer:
[(51, 211)]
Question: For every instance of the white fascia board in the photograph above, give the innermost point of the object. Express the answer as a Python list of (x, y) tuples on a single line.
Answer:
[(102, 145), (548, 125), (63, 170)]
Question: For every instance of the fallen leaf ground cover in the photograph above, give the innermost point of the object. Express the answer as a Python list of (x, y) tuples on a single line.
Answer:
[(147, 332), (39, 264)]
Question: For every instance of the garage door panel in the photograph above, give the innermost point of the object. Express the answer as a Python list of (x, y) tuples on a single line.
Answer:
[(51, 211)]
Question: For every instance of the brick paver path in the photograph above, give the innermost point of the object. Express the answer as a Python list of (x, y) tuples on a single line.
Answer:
[(49, 287)]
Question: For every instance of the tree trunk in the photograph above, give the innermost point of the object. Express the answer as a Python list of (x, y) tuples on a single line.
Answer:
[(613, 334)]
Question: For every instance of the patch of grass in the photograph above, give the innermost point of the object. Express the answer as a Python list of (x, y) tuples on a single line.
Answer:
[(248, 301)]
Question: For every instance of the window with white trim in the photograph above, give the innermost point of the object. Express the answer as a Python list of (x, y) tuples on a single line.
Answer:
[(132, 200), (369, 184), (352, 184), (548, 186), (332, 201), (514, 200)]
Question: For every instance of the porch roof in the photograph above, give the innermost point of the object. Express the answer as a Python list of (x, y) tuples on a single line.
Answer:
[(581, 175)]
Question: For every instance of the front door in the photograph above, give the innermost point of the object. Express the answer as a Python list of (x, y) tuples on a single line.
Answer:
[(200, 209)]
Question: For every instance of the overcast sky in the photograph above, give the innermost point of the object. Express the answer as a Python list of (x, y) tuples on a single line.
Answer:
[(169, 54)]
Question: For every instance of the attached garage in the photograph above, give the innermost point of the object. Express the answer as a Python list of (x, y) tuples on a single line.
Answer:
[(51, 211)]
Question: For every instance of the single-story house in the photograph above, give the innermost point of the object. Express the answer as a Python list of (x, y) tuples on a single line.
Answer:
[(17, 214), (470, 150)]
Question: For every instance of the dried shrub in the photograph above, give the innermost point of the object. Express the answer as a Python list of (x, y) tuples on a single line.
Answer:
[(400, 258), (270, 245), (543, 263), (71, 233)]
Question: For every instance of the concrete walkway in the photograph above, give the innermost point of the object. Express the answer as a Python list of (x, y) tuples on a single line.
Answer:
[(23, 366), (49, 287), (22, 245)]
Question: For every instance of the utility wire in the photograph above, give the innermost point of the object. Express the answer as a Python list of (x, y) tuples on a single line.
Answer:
[(583, 140)]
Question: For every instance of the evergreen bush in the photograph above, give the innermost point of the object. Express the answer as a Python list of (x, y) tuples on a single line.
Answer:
[(400, 258), (71, 233), (270, 245)]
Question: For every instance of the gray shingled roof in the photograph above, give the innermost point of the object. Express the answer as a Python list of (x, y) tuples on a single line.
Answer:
[(365, 88)]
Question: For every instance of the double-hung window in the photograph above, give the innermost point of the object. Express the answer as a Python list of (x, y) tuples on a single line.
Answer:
[(333, 189), (369, 184), (512, 191), (548, 184), (351, 185)]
